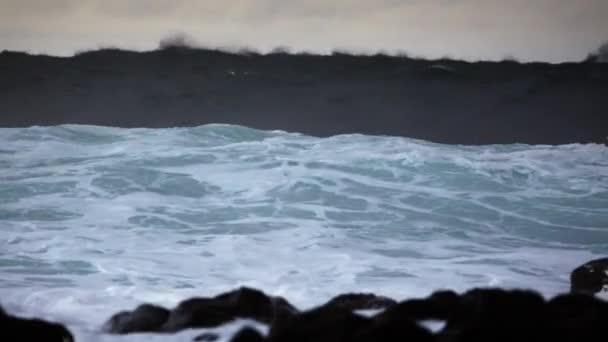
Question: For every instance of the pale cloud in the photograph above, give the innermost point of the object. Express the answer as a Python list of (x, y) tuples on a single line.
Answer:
[(541, 29)]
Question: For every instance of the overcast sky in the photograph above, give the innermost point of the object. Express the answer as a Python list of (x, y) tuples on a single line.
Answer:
[(550, 30)]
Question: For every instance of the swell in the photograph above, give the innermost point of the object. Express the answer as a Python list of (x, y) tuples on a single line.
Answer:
[(443, 101)]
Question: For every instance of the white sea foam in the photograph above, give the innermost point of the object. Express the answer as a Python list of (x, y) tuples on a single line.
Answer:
[(97, 220)]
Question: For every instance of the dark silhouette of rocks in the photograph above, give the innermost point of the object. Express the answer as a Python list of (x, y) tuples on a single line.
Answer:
[(482, 314), (201, 313), (211, 312), (489, 314), (323, 324), (498, 315), (477, 315), (578, 317), (21, 329), (361, 301), (145, 318), (590, 277), (441, 305), (438, 100)]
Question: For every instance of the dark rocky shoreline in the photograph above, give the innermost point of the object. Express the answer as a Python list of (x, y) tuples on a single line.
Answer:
[(484, 314), (444, 101)]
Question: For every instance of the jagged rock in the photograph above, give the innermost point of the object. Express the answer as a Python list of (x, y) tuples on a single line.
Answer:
[(485, 314), (590, 278), (200, 313), (22, 329), (211, 312), (145, 318), (440, 305), (498, 315), (323, 324), (336, 323), (361, 301), (578, 317)]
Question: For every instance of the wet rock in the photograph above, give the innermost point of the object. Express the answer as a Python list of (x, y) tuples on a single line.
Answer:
[(486, 314), (248, 335), (281, 304), (338, 323), (440, 305), (590, 278), (578, 317), (324, 324), (400, 322), (22, 329), (200, 313), (145, 318), (497, 315), (212, 312), (361, 301)]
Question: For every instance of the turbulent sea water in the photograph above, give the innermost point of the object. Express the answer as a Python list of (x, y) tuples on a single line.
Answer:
[(94, 220)]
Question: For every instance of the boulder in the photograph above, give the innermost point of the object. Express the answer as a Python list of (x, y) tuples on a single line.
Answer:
[(361, 301), (211, 312), (590, 278), (14, 328), (200, 313), (145, 318), (323, 324)]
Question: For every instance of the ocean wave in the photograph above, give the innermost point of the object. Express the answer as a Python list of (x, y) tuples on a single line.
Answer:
[(97, 219)]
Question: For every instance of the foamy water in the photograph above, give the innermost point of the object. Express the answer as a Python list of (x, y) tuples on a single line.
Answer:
[(95, 220)]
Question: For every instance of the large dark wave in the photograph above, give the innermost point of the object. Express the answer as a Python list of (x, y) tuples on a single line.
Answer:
[(438, 100)]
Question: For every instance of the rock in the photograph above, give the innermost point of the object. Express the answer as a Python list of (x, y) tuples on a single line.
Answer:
[(590, 278), (22, 329), (498, 315), (212, 312), (483, 314), (361, 301), (248, 335), (337, 323), (323, 324), (399, 322), (578, 317), (200, 313), (145, 318), (441, 305)]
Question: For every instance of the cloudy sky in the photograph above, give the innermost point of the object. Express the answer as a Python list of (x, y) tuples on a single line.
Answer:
[(549, 30)]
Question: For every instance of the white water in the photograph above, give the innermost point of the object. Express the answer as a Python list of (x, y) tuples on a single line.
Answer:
[(95, 220)]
